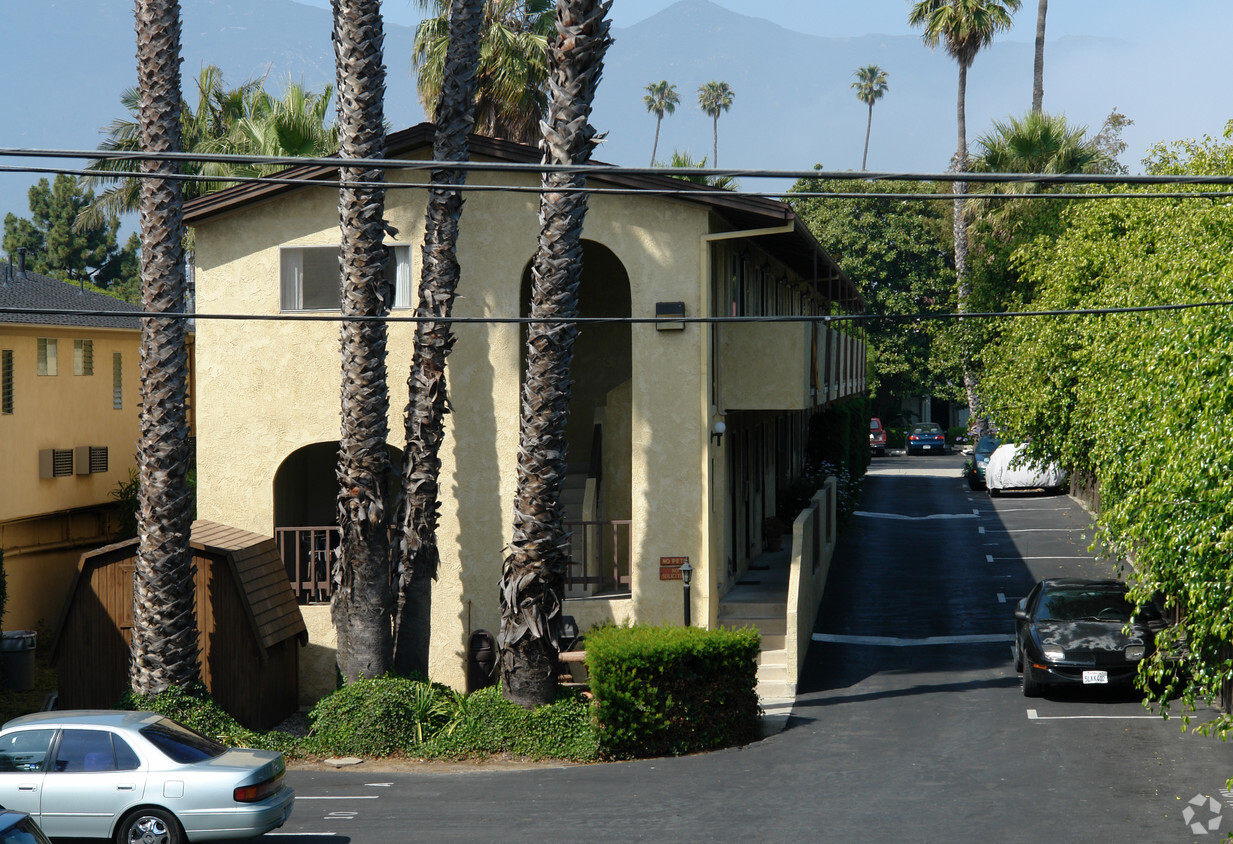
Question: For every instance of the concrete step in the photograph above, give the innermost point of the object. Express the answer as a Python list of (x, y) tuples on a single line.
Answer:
[(753, 608), (776, 690), (767, 626), (772, 656)]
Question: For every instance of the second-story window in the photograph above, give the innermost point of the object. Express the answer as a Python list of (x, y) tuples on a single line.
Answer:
[(310, 278), (47, 356), (6, 382), (117, 382), (83, 357)]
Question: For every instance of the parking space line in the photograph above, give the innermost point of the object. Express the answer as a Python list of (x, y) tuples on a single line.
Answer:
[(1034, 716), (988, 558), (1001, 597), (901, 517), (1046, 557), (343, 797), (897, 642)]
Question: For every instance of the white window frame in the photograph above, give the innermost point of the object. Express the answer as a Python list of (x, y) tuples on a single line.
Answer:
[(47, 356), (291, 276), (83, 357)]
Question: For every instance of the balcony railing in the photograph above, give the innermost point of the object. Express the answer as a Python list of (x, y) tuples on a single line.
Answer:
[(306, 553), (601, 557)]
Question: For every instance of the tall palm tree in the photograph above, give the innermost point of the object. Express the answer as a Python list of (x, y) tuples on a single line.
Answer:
[(510, 80), (661, 98), (870, 86), (362, 601), (427, 404), (532, 575), (243, 120), (164, 642), (964, 27), (1038, 67), (715, 98)]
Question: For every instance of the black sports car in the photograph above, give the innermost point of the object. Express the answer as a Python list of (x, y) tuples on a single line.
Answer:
[(1080, 632)]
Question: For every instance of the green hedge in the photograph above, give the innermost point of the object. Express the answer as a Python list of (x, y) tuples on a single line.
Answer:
[(666, 691)]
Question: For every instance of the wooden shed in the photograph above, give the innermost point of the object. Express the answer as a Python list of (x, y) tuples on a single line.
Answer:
[(247, 617)]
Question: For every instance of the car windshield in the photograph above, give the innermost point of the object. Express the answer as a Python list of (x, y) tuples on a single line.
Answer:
[(1078, 604), (987, 445), (875, 425), (927, 428), (181, 744)]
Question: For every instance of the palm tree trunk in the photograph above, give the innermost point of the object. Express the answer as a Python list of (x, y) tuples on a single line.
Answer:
[(428, 401), (361, 604), (715, 140), (655, 146), (1038, 69), (963, 282), (868, 127), (164, 643), (532, 575)]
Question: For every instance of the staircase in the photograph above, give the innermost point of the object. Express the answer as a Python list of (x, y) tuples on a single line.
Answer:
[(760, 600)]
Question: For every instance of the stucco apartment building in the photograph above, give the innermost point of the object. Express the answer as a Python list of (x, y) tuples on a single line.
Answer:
[(681, 434), (69, 407)]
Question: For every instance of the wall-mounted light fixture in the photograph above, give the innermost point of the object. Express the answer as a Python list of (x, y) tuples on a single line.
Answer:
[(717, 433), (666, 311)]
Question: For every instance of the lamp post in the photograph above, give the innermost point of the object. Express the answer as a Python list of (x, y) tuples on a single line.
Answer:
[(686, 571)]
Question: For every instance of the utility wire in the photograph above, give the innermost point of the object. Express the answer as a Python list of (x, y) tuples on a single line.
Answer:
[(715, 320)]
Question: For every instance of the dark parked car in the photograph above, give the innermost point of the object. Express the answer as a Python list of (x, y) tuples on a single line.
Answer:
[(927, 436), (1081, 632), (985, 446), (877, 437), (20, 828)]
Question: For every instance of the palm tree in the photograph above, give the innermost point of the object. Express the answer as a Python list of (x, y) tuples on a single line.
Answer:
[(244, 120), (362, 601), (509, 92), (714, 98), (532, 575), (661, 98), (870, 86), (164, 640), (683, 160), (964, 26), (424, 419), (1038, 67)]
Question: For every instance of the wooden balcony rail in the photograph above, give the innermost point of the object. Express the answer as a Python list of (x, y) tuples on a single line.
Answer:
[(306, 553), (601, 558)]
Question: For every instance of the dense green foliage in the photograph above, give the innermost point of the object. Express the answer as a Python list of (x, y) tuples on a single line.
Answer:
[(1141, 401), (194, 708), (673, 690), (838, 445), (55, 248), (898, 253)]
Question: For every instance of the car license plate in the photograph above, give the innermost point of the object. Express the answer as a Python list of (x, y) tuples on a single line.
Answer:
[(926, 446), (1094, 677)]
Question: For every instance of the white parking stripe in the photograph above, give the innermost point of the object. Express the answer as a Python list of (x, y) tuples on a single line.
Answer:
[(1001, 597), (1033, 716), (342, 797), (1049, 557), (896, 642), (901, 517)]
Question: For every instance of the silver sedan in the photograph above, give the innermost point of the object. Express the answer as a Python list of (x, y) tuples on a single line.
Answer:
[(137, 777)]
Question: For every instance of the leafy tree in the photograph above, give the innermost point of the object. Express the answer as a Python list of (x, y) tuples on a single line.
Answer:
[(870, 86), (1109, 141), (661, 98), (897, 251), (55, 248), (1038, 65), (533, 573), (964, 27), (510, 92), (714, 98), (362, 602), (164, 636), (428, 402), (1141, 402), (683, 160), (240, 121)]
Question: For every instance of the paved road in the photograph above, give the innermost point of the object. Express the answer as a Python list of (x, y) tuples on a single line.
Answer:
[(910, 724)]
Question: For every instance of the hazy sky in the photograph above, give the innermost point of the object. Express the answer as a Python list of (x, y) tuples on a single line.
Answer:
[(1132, 20)]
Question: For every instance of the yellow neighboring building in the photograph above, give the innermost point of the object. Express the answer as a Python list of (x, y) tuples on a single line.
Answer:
[(681, 435), (69, 406)]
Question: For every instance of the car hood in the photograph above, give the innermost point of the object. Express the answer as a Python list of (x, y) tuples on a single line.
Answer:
[(1089, 635)]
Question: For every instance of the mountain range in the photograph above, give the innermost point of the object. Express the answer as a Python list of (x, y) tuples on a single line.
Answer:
[(793, 107)]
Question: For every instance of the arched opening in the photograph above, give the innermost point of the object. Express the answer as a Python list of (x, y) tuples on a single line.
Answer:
[(306, 515), (598, 491)]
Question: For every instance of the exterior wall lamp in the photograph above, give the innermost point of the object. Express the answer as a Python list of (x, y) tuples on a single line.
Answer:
[(717, 433), (686, 573)]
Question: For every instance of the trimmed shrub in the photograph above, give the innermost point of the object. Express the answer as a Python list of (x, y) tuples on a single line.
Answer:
[(667, 691), (488, 724), (196, 709), (377, 716)]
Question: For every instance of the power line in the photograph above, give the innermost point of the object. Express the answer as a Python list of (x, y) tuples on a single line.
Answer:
[(715, 320)]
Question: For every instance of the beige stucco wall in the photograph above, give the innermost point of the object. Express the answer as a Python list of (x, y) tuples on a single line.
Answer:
[(64, 411), (268, 388)]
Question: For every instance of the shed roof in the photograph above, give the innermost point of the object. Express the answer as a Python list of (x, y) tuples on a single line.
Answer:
[(32, 290), (799, 249), (254, 562)]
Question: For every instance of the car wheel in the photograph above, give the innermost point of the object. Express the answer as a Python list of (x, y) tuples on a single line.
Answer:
[(974, 483), (150, 825), (1031, 686), (994, 491)]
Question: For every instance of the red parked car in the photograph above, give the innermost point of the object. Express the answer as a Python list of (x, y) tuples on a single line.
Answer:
[(877, 437)]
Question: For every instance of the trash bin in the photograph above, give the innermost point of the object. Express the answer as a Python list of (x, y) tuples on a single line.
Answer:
[(17, 660), (481, 660)]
